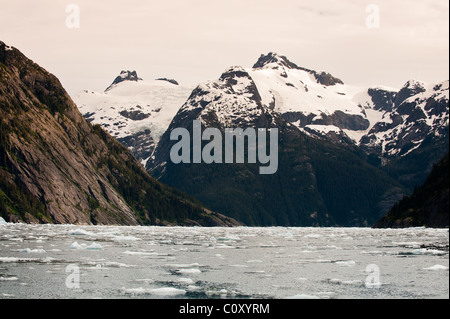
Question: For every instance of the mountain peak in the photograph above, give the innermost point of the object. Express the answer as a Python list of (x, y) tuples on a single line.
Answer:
[(414, 84), (276, 58), (124, 76)]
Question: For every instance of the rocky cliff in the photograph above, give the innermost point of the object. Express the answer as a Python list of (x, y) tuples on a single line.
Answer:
[(427, 206), (56, 167)]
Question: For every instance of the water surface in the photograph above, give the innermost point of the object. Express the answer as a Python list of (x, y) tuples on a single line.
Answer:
[(67, 261)]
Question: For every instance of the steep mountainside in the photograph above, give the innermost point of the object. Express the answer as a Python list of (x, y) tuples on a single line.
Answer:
[(56, 167), (427, 206), (317, 182), (134, 111)]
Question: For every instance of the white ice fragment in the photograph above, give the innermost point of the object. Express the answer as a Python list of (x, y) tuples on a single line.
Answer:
[(437, 267), (126, 238), (346, 263), (3, 222), (35, 251), (140, 253), (191, 271), (193, 288), (183, 280), (94, 246), (76, 245), (80, 232), (8, 278)]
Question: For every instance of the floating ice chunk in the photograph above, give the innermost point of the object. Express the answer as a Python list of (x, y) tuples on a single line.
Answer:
[(193, 288), (225, 246), (94, 246), (140, 253), (184, 265), (222, 293), (423, 251), (3, 222), (76, 245), (125, 238), (312, 236), (346, 263), (437, 267), (17, 260), (34, 251), (183, 280), (229, 238), (191, 271), (8, 278), (345, 282), (80, 232)]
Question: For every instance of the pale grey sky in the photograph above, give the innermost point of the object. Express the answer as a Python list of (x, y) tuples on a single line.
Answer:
[(196, 40)]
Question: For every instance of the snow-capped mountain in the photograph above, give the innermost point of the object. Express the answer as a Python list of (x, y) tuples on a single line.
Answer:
[(303, 191), (416, 113), (134, 111), (384, 121)]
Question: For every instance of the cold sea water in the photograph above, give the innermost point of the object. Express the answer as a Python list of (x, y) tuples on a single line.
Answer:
[(68, 261)]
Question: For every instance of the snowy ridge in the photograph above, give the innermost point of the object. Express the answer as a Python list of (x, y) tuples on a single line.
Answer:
[(133, 108), (233, 99), (381, 120), (411, 120)]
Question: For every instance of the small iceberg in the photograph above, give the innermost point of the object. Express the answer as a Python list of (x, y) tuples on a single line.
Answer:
[(437, 267), (94, 246)]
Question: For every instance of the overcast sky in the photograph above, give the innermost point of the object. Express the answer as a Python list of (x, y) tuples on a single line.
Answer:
[(196, 40)]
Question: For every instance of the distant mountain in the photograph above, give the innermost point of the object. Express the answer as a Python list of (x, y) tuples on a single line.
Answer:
[(134, 111), (55, 167), (427, 206), (394, 135), (318, 183)]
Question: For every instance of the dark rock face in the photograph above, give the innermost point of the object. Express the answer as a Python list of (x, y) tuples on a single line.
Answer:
[(140, 144), (427, 206), (323, 78), (168, 80), (382, 99), (134, 115), (344, 121), (57, 168), (327, 79), (411, 88), (124, 76)]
